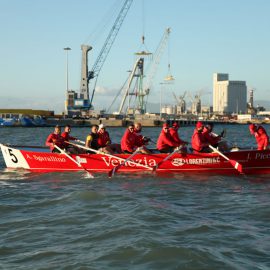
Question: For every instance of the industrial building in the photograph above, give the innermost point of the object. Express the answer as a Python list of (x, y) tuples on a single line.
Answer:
[(228, 96)]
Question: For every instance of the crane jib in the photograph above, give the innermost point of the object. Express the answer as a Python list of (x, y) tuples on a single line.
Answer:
[(108, 44)]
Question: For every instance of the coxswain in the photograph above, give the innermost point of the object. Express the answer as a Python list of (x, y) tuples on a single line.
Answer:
[(260, 135), (129, 141), (198, 141), (105, 142), (55, 138), (174, 133), (165, 142)]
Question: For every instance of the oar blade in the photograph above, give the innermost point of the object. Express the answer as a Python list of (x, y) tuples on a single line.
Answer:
[(154, 168), (88, 175), (112, 172), (236, 165)]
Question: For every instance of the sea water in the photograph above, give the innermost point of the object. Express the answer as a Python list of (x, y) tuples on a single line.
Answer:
[(132, 221)]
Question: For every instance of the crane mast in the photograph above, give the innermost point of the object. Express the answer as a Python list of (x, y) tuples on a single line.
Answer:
[(106, 47), (138, 67), (138, 73), (144, 91), (157, 56)]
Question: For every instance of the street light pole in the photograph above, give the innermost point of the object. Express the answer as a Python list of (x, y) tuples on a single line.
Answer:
[(66, 102), (160, 100), (67, 49)]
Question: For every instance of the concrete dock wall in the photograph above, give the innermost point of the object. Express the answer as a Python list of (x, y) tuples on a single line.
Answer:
[(115, 122)]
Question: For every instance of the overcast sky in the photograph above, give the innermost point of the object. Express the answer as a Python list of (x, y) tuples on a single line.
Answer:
[(207, 36)]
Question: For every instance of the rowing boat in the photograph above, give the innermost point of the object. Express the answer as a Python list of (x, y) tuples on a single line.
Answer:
[(40, 159)]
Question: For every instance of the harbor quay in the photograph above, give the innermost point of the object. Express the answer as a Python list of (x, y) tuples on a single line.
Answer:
[(125, 122), (41, 118), (115, 122)]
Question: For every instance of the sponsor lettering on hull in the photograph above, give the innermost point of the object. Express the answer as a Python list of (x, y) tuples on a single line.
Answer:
[(194, 161), (110, 161)]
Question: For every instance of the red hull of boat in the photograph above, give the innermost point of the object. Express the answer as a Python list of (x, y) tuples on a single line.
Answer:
[(253, 162)]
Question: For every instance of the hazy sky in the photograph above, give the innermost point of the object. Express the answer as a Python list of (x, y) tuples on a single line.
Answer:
[(207, 36)]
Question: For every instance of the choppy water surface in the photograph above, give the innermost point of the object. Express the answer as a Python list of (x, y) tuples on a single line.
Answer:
[(141, 221)]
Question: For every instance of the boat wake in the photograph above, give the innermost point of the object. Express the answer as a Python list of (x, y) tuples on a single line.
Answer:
[(9, 174)]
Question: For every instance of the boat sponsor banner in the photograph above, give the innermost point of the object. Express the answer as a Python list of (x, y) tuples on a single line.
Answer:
[(47, 158), (195, 161), (262, 155), (110, 161), (81, 160)]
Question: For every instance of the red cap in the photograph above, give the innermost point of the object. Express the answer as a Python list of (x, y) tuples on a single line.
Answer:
[(175, 124), (165, 125), (199, 124)]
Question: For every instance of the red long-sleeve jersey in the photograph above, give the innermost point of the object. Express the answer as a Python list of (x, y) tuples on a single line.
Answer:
[(165, 140), (67, 137), (261, 138), (55, 139), (198, 141), (210, 137), (128, 141), (175, 136), (139, 138), (103, 138)]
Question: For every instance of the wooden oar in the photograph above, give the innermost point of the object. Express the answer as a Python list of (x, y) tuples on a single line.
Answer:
[(26, 146), (75, 161), (166, 158), (116, 168), (234, 163), (79, 141), (109, 155)]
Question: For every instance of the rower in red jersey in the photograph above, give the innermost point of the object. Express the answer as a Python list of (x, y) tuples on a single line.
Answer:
[(67, 137), (105, 142), (198, 141), (260, 135), (174, 133), (141, 140), (213, 138), (55, 139), (129, 141), (165, 142), (66, 134)]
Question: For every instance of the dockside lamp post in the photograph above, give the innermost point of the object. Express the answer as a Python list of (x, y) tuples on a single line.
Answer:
[(160, 99), (67, 49), (66, 101)]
